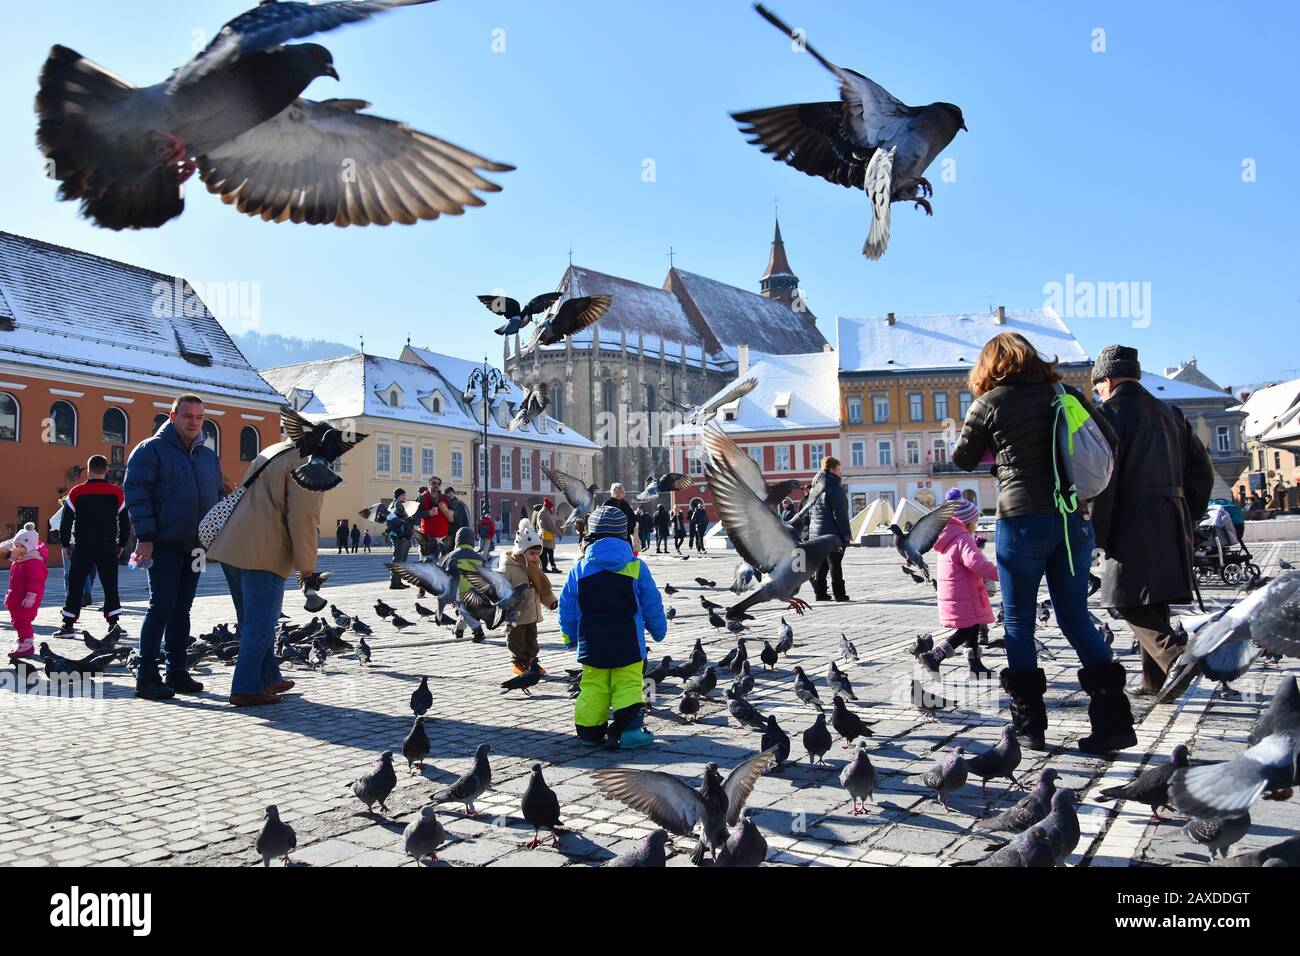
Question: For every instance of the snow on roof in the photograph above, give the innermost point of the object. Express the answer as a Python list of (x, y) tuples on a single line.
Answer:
[(72, 311), (1269, 412), (736, 317), (1172, 390), (952, 341), (807, 384)]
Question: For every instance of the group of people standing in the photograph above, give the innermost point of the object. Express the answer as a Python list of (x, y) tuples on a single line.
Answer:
[(351, 540)]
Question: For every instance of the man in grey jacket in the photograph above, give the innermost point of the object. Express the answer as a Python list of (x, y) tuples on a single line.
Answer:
[(172, 480)]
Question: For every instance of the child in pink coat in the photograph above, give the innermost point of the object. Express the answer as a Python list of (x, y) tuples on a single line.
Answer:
[(963, 598), (27, 573)]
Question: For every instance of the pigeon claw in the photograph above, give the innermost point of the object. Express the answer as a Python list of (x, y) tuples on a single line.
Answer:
[(923, 204), (798, 605), (926, 188)]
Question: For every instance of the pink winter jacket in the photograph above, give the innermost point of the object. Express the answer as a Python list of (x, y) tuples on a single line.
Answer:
[(27, 577), (963, 601)]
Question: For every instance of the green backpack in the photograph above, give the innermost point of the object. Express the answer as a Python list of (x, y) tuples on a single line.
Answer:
[(1082, 460)]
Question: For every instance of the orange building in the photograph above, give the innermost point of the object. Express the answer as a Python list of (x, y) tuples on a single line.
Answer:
[(92, 353)]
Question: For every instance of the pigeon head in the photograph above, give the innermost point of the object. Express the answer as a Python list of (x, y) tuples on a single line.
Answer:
[(482, 751), (1065, 798), (273, 812), (1008, 733), (386, 757), (537, 770), (1048, 778), (838, 701), (953, 112), (1178, 757), (308, 61), (712, 778), (45, 650)]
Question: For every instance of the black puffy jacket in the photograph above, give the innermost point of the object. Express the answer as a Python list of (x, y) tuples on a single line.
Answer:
[(1014, 421), (831, 513)]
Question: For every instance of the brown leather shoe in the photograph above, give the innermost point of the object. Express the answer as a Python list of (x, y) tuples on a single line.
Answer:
[(281, 688), (253, 700)]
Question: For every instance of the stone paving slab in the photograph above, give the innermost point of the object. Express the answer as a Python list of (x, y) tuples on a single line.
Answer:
[(114, 780)]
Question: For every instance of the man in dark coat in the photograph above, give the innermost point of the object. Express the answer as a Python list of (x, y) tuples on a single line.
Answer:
[(1144, 519), (830, 515)]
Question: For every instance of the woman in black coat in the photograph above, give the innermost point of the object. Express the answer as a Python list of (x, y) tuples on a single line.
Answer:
[(661, 530), (679, 529), (1012, 420), (698, 521), (830, 515)]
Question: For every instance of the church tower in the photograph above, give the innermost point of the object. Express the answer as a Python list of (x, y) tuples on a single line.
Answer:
[(779, 282)]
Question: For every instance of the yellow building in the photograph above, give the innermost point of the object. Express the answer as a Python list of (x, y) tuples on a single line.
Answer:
[(1271, 433)]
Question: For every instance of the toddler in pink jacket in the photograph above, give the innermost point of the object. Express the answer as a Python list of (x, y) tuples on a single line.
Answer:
[(27, 573), (963, 599)]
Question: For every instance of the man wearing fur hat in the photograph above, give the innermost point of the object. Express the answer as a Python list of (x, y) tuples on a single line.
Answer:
[(522, 566)]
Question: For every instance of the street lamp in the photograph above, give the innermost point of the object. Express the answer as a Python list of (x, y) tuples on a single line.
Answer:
[(487, 382)]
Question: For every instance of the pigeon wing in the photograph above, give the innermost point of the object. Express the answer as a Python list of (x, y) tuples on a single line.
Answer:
[(925, 532), (740, 783), (501, 306), (427, 575), (757, 533), (660, 796), (329, 162), (268, 25), (810, 137), (879, 187), (815, 492), (1228, 789), (541, 304), (720, 447), (574, 491), (733, 394), (576, 315)]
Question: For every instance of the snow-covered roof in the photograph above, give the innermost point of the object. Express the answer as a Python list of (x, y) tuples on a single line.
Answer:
[(736, 317), (70, 311), (1172, 390), (951, 341), (1272, 413), (357, 385), (807, 385)]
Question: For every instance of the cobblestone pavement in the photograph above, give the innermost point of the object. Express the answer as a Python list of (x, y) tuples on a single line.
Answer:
[(115, 780)]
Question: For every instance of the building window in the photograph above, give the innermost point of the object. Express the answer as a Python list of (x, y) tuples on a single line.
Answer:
[(406, 460), (694, 464), (1223, 438), (8, 418), (756, 453), (526, 467), (912, 451), (940, 451), (159, 421), (783, 458), (383, 457), (556, 395), (250, 443), (428, 463), (435, 404), (858, 454), (507, 469), (963, 404), (63, 424), (393, 399), (885, 453), (916, 406), (483, 464), (212, 435), (1277, 460), (817, 454), (582, 469), (114, 427), (880, 406), (940, 406), (458, 464), (855, 410)]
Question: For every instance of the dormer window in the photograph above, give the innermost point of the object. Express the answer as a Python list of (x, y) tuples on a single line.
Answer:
[(300, 398), (781, 405), (394, 399), (391, 396), (433, 402)]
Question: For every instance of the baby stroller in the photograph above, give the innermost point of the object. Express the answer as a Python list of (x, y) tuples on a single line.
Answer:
[(1220, 551)]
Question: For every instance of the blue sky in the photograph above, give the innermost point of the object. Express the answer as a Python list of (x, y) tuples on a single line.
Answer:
[(1117, 166)]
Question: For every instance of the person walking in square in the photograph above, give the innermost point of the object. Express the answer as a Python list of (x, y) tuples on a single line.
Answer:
[(522, 567), (661, 530), (94, 516), (365, 542), (679, 528), (830, 515), (698, 520), (608, 604), (173, 479), (27, 575), (548, 524)]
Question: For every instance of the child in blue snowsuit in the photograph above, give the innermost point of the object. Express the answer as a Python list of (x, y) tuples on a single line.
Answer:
[(608, 603)]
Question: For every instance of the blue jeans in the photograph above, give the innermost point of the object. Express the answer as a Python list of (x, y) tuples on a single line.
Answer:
[(259, 597), (172, 583), (1028, 547)]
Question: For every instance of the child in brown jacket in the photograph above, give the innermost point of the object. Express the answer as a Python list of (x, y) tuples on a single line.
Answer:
[(522, 567)]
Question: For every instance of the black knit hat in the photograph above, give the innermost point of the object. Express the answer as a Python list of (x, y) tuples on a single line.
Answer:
[(1116, 361)]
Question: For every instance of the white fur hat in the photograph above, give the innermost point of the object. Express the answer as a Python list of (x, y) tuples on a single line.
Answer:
[(526, 538), (28, 538)]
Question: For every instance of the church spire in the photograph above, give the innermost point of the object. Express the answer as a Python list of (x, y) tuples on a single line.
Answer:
[(779, 281)]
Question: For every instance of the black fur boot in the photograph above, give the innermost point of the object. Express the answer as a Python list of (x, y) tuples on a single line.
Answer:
[(1028, 712), (1108, 709)]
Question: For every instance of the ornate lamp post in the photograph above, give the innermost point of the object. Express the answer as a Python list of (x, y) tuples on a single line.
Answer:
[(484, 385)]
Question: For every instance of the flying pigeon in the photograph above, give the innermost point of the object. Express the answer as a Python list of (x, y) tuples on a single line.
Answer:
[(428, 576), (745, 847), (581, 497), (490, 587), (277, 839), (868, 140), (541, 808), (859, 778), (1032, 808), (1217, 834), (234, 114), (1283, 714), (703, 414), (424, 835), (573, 316), (720, 448), (472, 785), (531, 408), (310, 585), (678, 808), (321, 444), (416, 746), (1228, 789), (1151, 786), (663, 485), (648, 853), (846, 723), (421, 698), (1000, 761), (947, 776), (375, 786), (518, 316), (817, 740), (922, 536)]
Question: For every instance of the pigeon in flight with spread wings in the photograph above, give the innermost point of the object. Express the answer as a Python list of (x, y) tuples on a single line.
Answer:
[(235, 115), (518, 316), (581, 498), (721, 448), (868, 140), (573, 316), (321, 444), (536, 401), (921, 537)]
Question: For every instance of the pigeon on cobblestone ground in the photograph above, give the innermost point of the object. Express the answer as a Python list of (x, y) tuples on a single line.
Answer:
[(947, 776), (839, 682), (745, 847), (525, 681), (776, 740), (360, 627), (784, 638), (1217, 835), (704, 684), (1062, 824), (277, 839), (1033, 848), (688, 705), (769, 656), (746, 714), (421, 698), (363, 653), (1000, 761), (376, 785), (1151, 786), (927, 701), (859, 778), (804, 689), (846, 723), (817, 740), (541, 808), (472, 785), (648, 853), (1031, 808), (424, 835), (847, 648), (416, 746)]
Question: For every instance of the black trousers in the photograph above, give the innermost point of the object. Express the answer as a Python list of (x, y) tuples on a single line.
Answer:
[(103, 558), (834, 566), (678, 538), (1155, 634)]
